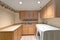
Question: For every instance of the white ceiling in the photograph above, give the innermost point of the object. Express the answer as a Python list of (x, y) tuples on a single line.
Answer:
[(27, 4)]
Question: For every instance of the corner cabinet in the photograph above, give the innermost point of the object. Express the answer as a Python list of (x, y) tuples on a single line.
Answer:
[(11, 35)]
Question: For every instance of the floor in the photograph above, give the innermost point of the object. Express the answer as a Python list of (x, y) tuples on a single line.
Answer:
[(28, 38)]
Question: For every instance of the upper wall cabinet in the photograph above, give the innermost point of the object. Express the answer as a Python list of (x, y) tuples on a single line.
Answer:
[(29, 15), (51, 10)]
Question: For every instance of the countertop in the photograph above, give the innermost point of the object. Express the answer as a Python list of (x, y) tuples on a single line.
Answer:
[(12, 28)]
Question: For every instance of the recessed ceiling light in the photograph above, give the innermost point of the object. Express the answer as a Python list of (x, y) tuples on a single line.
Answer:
[(38, 2), (20, 2)]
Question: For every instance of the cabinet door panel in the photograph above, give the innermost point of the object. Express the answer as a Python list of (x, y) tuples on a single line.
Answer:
[(29, 29), (35, 15), (19, 33), (25, 30), (22, 15), (32, 29), (16, 35)]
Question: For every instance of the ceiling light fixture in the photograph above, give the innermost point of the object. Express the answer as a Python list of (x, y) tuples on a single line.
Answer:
[(20, 2), (38, 2)]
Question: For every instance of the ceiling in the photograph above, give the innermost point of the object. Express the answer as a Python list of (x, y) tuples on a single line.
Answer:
[(26, 4)]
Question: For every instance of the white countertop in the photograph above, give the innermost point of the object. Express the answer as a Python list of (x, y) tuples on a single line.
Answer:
[(12, 28), (45, 27)]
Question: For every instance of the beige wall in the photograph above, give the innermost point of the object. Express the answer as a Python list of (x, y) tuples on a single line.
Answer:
[(6, 17), (17, 19), (53, 21)]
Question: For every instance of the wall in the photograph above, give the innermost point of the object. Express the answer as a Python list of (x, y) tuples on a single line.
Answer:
[(17, 19), (53, 21), (6, 17)]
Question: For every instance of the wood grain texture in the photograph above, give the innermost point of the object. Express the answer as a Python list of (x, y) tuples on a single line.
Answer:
[(17, 34), (29, 29), (51, 10), (28, 15), (6, 36), (12, 35), (48, 11)]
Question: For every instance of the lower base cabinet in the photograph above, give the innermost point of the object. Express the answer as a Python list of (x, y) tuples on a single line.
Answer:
[(11, 35), (29, 29), (17, 34), (25, 29)]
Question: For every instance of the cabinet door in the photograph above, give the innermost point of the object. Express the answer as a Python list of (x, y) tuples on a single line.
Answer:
[(19, 33), (6, 35), (30, 15), (25, 30), (35, 15), (32, 29), (29, 29), (16, 35), (22, 15), (48, 11)]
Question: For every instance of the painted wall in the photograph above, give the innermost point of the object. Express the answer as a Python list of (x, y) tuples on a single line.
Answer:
[(53, 21), (17, 19), (6, 17)]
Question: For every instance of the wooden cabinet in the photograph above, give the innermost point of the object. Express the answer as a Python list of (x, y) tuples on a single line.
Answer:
[(48, 11), (25, 30), (28, 15), (6, 36), (51, 10), (32, 30), (29, 29), (11, 35), (17, 34), (35, 15), (22, 15)]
